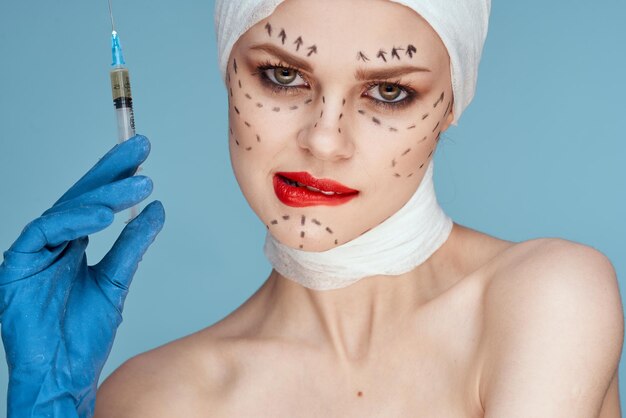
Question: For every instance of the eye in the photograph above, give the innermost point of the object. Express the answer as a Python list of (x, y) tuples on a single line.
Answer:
[(387, 92), (283, 76)]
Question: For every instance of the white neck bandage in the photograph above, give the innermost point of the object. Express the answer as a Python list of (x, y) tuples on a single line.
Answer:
[(420, 227)]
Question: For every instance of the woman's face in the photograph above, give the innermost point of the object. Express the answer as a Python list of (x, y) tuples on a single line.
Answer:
[(353, 91)]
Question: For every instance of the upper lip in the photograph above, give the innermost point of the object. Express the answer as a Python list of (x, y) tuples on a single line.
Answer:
[(326, 185)]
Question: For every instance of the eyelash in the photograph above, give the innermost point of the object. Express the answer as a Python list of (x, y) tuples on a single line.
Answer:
[(278, 89)]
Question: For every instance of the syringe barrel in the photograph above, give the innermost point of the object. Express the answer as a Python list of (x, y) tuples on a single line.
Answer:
[(123, 102)]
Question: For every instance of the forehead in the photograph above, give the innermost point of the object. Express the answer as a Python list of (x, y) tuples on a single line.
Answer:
[(340, 29)]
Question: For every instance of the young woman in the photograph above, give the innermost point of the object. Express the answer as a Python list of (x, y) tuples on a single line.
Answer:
[(378, 305)]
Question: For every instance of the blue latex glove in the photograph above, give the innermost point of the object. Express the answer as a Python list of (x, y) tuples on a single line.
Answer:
[(59, 315)]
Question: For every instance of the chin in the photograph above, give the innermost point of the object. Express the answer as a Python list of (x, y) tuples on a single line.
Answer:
[(311, 244)]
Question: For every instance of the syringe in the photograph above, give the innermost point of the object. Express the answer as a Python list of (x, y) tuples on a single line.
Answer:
[(122, 96)]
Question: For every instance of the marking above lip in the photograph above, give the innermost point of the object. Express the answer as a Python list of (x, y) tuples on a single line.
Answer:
[(323, 185)]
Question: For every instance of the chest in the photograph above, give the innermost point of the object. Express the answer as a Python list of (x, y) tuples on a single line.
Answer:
[(429, 370)]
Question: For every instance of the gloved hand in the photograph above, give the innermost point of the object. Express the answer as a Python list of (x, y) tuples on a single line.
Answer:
[(59, 315)]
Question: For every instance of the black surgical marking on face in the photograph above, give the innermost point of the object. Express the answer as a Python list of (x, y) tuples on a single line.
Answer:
[(375, 120), (248, 96), (323, 99), (276, 109), (269, 29), (394, 52), (274, 222), (362, 56), (439, 100), (438, 135), (301, 234), (298, 42), (302, 220), (293, 107), (397, 175), (228, 76), (361, 111), (246, 123), (231, 130), (315, 126), (286, 217), (410, 50), (239, 83), (236, 110), (336, 242), (330, 231), (237, 142), (282, 35), (231, 92), (424, 116), (339, 130), (447, 109), (410, 174), (312, 49), (301, 246), (340, 116), (321, 113), (411, 127), (407, 151), (248, 148), (258, 138), (431, 153), (307, 101), (259, 104), (381, 54), (392, 129), (423, 139), (422, 165), (316, 222), (393, 162), (436, 126), (235, 65)]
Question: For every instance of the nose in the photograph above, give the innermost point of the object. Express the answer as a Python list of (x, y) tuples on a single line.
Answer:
[(326, 135)]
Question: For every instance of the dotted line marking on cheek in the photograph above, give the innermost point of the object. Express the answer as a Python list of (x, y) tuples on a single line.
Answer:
[(302, 220), (235, 65), (239, 82), (436, 126), (301, 234), (276, 109), (406, 152), (259, 105), (316, 222), (330, 231), (440, 100), (377, 121), (248, 96), (258, 138), (247, 124)]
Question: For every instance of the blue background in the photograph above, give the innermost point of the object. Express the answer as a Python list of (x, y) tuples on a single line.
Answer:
[(541, 152)]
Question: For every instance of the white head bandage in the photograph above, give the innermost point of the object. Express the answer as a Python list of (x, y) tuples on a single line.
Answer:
[(420, 227)]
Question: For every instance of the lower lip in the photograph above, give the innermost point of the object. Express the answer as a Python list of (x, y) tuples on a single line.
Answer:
[(299, 197)]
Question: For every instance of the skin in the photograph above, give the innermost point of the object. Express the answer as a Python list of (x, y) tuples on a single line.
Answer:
[(483, 328)]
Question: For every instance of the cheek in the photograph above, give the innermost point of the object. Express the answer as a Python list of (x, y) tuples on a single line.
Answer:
[(407, 143), (255, 116)]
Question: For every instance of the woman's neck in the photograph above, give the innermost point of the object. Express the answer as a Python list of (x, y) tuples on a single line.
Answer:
[(353, 320)]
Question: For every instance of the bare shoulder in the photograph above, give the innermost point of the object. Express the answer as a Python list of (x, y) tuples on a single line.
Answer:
[(553, 333), (181, 378)]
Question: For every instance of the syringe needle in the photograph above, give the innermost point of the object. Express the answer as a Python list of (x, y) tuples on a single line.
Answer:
[(111, 14)]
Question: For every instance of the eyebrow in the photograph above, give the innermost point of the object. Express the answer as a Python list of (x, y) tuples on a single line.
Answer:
[(385, 73), (360, 74), (284, 56)]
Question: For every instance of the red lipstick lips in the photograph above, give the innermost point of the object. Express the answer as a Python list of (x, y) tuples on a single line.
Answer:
[(300, 189)]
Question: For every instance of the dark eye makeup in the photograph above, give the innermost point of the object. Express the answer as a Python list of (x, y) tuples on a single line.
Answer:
[(267, 73)]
